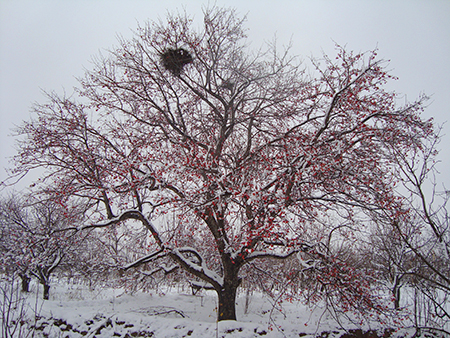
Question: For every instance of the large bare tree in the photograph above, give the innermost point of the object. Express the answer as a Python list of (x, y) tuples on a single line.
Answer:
[(249, 154)]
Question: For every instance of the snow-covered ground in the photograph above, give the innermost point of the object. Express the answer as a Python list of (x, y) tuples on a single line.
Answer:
[(76, 311)]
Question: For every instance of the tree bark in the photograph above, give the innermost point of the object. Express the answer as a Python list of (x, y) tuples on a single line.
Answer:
[(46, 291), (227, 294), (396, 292), (227, 302), (25, 283), (44, 279)]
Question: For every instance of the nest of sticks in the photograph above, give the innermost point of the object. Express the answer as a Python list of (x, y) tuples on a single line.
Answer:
[(174, 60)]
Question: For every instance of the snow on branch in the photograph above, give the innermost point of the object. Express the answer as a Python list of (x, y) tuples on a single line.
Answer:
[(164, 268), (126, 215), (262, 254), (58, 258), (303, 248), (199, 269), (153, 256)]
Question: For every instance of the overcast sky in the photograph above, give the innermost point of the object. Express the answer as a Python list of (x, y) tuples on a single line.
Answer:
[(44, 45)]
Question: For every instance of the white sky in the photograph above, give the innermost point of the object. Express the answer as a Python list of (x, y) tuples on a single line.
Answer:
[(46, 44)]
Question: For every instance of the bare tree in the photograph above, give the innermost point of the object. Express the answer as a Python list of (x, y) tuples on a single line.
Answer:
[(252, 156), (33, 241), (421, 228)]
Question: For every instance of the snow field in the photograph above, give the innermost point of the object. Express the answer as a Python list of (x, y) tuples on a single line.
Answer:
[(76, 311)]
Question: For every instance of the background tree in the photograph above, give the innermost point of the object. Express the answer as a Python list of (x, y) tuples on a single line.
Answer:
[(34, 243), (252, 156), (391, 257), (14, 258), (420, 227)]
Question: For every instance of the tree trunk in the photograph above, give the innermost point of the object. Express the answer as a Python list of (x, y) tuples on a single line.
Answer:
[(227, 302), (227, 294), (25, 283), (396, 292), (396, 297), (46, 291), (247, 299), (44, 279)]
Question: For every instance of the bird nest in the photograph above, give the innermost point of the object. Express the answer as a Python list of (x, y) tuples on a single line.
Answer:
[(174, 60)]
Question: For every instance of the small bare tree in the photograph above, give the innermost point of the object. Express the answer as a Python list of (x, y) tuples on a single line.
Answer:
[(14, 308), (33, 241), (417, 237)]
